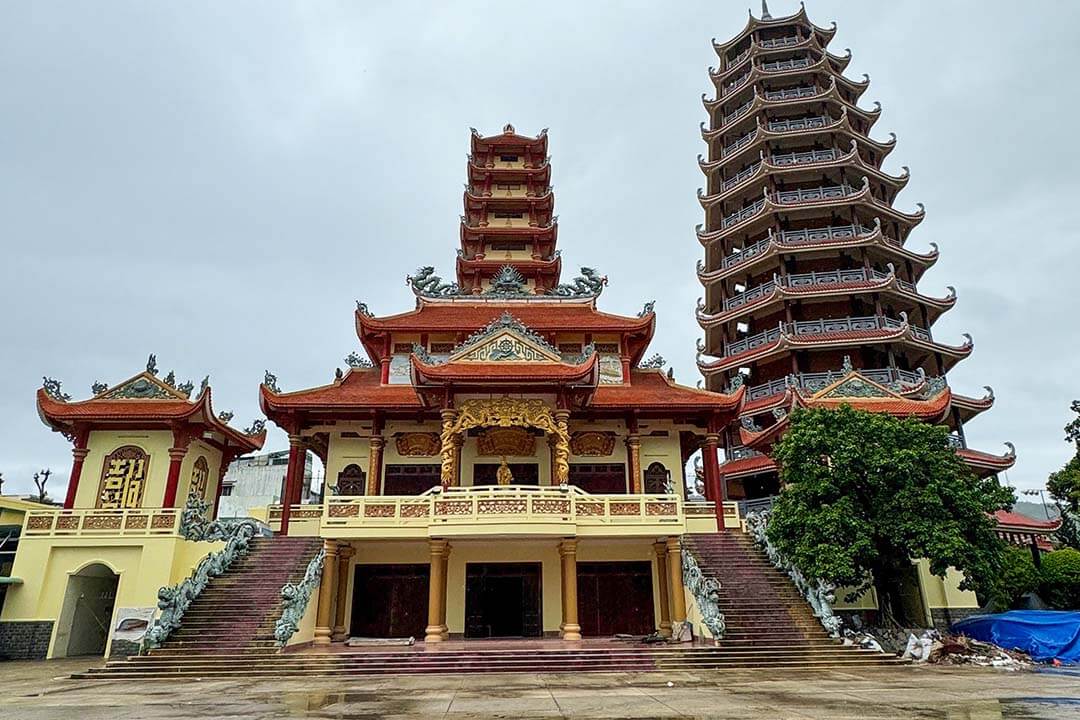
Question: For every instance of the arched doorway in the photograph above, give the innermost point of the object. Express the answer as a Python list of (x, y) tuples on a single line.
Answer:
[(351, 481), (657, 479), (86, 617)]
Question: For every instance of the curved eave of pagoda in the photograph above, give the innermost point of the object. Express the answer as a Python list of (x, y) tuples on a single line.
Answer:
[(770, 207), (775, 247), (760, 136), (473, 201), (510, 138), (754, 23), (475, 232), (62, 416), (787, 342), (759, 102), (969, 407), (477, 171), (528, 267), (756, 50), (852, 160), (359, 390), (824, 292), (985, 464)]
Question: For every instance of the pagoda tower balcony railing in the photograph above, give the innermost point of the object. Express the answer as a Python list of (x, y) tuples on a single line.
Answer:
[(793, 197), (783, 160), (797, 237), (737, 112), (956, 442), (739, 144), (808, 123), (791, 93), (810, 279), (780, 42), (782, 65), (821, 327), (736, 84), (818, 381)]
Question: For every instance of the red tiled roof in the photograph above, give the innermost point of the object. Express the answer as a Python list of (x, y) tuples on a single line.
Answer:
[(359, 389), (537, 315), (503, 371), (1012, 520), (59, 414), (748, 466), (652, 389)]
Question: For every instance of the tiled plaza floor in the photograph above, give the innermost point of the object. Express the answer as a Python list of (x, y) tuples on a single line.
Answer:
[(33, 691)]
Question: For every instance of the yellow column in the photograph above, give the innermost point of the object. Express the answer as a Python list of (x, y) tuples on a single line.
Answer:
[(445, 575), (345, 553), (436, 628), (375, 464), (560, 469), (633, 447), (571, 630), (678, 596), (327, 589), (662, 583), (448, 451)]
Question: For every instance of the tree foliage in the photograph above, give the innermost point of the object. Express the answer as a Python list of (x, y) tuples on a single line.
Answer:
[(1060, 571), (1018, 576), (1064, 485), (866, 493)]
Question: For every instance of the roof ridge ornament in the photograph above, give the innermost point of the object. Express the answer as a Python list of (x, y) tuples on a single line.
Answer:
[(649, 309), (98, 387), (426, 283), (654, 362), (256, 427), (505, 321), (765, 11), (589, 284), (357, 361), (151, 364), (508, 281), (53, 389), (270, 381)]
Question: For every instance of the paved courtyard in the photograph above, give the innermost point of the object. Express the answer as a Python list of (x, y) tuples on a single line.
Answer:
[(41, 690)]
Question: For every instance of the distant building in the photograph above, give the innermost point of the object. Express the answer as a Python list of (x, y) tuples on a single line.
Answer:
[(256, 481)]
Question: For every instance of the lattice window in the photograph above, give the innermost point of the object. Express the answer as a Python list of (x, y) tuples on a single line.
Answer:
[(200, 477), (351, 481), (123, 478), (656, 478)]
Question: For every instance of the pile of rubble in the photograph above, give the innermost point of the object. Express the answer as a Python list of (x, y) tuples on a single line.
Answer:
[(932, 647)]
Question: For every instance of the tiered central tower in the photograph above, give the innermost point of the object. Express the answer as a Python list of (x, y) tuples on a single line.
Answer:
[(808, 275), (508, 229)]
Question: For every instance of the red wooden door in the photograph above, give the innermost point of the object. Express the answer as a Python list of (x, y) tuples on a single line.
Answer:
[(615, 597)]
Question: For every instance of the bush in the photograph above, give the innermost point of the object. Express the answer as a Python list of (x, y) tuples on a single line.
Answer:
[(1060, 575), (1018, 575)]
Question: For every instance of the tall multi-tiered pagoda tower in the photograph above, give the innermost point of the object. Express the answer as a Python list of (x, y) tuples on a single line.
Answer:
[(811, 287)]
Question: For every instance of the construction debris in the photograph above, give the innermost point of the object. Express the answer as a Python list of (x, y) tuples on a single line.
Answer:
[(961, 650)]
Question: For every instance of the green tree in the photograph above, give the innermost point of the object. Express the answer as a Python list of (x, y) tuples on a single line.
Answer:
[(1064, 485), (1017, 577), (1060, 573), (866, 492)]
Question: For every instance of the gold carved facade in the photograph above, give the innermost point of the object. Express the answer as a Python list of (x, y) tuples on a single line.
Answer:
[(417, 444), (592, 443), (499, 442), (123, 478)]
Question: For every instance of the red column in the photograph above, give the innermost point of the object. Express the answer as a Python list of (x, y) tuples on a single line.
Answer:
[(294, 481), (79, 453), (177, 453), (712, 475)]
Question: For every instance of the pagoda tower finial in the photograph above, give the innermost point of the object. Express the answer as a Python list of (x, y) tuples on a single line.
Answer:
[(765, 10)]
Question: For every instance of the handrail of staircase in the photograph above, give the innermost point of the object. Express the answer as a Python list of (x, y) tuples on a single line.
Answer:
[(174, 600), (706, 591), (818, 593), (295, 598)]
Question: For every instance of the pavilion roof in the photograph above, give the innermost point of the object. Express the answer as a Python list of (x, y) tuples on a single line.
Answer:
[(652, 389), (509, 138), (142, 399), (1008, 520), (359, 388)]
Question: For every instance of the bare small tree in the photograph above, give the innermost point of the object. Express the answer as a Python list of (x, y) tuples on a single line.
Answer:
[(40, 479)]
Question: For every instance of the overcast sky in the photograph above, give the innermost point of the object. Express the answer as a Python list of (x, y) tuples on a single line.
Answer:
[(219, 182)]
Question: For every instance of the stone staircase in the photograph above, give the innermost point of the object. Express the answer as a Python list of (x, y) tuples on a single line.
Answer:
[(767, 619), (237, 611), (228, 632)]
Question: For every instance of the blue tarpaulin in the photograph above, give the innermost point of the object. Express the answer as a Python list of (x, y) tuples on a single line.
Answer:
[(1045, 635)]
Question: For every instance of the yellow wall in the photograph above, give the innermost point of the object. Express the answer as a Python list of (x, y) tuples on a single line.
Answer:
[(155, 443), (944, 592), (199, 449), (144, 565)]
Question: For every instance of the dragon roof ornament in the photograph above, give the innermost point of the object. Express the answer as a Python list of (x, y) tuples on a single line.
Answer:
[(654, 362), (588, 284), (357, 361), (54, 390), (509, 282)]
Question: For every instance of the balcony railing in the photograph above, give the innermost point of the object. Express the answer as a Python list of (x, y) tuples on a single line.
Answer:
[(736, 84), (956, 442), (830, 192), (739, 58), (140, 522), (795, 124), (740, 215), (814, 382), (736, 113), (738, 144), (502, 510), (798, 237), (798, 280), (805, 328), (779, 65), (791, 93), (805, 158), (741, 177), (741, 453), (780, 42)]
